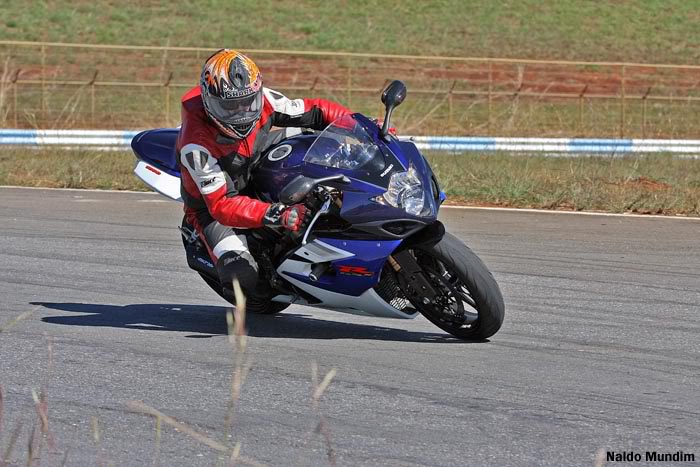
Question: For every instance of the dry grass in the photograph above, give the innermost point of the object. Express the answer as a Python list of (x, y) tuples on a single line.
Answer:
[(642, 30), (653, 184), (41, 443), (56, 168), (444, 97), (422, 113)]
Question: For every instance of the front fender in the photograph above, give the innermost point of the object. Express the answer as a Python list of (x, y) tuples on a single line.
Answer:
[(427, 236)]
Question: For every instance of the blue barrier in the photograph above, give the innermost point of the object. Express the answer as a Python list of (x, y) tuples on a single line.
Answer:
[(99, 138), (115, 139), (556, 145)]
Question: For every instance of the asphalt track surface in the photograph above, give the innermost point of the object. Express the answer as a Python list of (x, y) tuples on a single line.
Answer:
[(600, 348)]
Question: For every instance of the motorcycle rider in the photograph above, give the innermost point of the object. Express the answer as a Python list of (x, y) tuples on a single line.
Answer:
[(226, 123)]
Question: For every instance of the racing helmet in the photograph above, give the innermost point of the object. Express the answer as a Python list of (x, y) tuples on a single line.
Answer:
[(231, 87)]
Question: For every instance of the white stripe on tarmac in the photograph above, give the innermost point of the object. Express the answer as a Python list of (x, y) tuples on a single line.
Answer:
[(476, 208), (582, 213), (86, 190)]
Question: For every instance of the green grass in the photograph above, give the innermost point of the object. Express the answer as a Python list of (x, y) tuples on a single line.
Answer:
[(655, 184), (645, 31), (632, 30), (69, 169)]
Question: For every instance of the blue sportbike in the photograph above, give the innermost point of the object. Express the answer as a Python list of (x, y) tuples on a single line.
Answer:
[(374, 245)]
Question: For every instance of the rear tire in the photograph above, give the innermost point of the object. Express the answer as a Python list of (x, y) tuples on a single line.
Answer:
[(470, 305), (258, 307)]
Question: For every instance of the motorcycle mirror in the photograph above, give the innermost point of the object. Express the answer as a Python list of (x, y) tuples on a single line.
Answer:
[(296, 190), (392, 97), (300, 186), (394, 93)]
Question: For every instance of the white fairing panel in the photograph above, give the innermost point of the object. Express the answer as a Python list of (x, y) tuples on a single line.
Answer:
[(319, 252), (159, 181), (367, 304)]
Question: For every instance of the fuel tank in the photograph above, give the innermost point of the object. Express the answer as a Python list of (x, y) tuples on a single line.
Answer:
[(279, 165)]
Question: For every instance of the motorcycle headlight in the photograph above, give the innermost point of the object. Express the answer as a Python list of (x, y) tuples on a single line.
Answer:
[(405, 191)]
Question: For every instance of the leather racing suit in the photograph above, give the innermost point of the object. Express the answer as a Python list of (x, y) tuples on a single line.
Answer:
[(215, 174)]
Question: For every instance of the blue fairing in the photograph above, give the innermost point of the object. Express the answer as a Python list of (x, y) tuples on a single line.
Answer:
[(359, 206), (158, 148), (362, 205), (273, 174), (370, 256)]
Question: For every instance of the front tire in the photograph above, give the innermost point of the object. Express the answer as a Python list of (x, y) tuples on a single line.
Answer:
[(469, 304)]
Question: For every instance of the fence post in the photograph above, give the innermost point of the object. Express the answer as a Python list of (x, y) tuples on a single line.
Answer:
[(92, 97), (43, 82), (644, 112), (622, 103), (349, 96), (14, 94), (312, 89), (167, 97), (449, 103), (490, 110), (580, 110)]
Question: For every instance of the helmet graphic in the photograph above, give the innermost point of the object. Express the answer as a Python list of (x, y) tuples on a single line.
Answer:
[(231, 87)]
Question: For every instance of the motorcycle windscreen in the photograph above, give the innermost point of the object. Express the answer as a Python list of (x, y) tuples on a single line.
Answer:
[(350, 145)]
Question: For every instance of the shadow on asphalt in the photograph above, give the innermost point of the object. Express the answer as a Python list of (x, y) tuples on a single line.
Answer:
[(207, 321)]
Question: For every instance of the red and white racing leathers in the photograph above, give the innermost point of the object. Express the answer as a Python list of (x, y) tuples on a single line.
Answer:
[(215, 170), (217, 166)]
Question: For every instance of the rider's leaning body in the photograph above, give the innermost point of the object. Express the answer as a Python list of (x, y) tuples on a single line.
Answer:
[(226, 123)]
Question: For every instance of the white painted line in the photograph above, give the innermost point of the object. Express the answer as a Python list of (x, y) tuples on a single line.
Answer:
[(82, 190), (475, 208), (582, 213)]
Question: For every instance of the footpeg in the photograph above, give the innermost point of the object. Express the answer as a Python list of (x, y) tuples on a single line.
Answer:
[(190, 236)]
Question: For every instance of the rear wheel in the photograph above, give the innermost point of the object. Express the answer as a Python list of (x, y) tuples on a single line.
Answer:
[(469, 304), (259, 307)]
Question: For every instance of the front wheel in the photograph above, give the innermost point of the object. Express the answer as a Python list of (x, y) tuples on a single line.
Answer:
[(468, 304)]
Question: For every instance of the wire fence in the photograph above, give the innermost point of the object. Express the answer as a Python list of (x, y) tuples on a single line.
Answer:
[(53, 85)]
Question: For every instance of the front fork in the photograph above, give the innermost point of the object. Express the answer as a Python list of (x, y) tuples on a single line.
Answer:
[(412, 279)]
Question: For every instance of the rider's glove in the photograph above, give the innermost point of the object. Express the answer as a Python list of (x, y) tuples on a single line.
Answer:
[(292, 217)]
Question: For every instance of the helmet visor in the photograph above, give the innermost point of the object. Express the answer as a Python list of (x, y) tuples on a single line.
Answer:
[(238, 111)]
